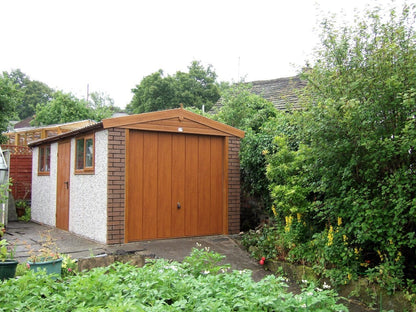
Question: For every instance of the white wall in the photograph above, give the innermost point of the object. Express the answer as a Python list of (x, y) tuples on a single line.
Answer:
[(88, 194), (44, 189)]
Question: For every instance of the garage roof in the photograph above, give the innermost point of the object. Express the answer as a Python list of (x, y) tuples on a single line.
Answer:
[(173, 120), (176, 120)]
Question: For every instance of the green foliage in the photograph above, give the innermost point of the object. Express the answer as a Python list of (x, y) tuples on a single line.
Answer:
[(69, 266), (243, 109), (8, 101), (6, 251), (160, 286), (27, 216), (253, 114), (352, 157), (31, 93), (61, 109), (102, 106), (204, 261), (197, 88)]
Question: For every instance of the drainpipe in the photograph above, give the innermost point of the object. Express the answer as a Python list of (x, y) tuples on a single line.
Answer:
[(4, 178)]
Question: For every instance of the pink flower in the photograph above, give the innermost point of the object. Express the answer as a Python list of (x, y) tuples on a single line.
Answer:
[(69, 270), (28, 265)]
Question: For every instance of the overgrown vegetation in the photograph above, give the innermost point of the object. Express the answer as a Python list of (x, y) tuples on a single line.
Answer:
[(341, 172), (200, 283)]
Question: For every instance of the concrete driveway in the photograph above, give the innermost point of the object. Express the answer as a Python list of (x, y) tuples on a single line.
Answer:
[(22, 234)]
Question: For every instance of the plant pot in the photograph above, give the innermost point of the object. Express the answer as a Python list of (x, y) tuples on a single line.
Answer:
[(8, 269), (51, 266), (20, 212)]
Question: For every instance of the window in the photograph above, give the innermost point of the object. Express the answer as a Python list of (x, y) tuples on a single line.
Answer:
[(44, 163), (84, 154)]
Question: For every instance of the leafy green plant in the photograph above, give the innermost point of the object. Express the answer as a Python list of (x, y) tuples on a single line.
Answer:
[(204, 261), (27, 216), (69, 266), (161, 286), (6, 252)]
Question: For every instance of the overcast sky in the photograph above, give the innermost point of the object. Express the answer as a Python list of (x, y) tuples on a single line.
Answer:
[(112, 45)]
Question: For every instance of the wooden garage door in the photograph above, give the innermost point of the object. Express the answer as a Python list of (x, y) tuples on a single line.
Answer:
[(175, 185)]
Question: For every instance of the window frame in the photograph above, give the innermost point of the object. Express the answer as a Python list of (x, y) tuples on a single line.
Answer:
[(45, 159), (84, 169)]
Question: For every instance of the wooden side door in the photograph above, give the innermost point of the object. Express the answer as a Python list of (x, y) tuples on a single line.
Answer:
[(63, 185)]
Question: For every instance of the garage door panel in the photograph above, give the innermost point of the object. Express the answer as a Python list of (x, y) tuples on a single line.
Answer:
[(164, 187), (150, 191), (204, 194), (191, 185), (178, 200), (135, 187)]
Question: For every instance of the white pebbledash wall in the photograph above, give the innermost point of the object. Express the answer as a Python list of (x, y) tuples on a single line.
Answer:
[(44, 189), (88, 193)]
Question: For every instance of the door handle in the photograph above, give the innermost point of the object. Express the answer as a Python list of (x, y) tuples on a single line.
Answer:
[(178, 205), (67, 184)]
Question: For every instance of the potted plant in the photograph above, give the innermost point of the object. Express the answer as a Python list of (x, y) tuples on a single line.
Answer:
[(21, 206), (47, 257), (7, 262), (2, 230)]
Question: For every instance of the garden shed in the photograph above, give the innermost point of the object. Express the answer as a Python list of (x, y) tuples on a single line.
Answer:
[(155, 175)]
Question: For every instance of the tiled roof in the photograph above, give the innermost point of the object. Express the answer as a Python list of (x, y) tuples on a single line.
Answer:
[(282, 92), (23, 123)]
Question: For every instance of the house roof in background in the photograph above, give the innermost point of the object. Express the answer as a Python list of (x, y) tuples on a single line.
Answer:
[(25, 123), (282, 92)]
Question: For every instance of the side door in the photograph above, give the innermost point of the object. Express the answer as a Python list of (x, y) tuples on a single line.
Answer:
[(63, 185)]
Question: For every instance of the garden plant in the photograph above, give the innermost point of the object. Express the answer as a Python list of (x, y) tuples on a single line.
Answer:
[(200, 283), (341, 177)]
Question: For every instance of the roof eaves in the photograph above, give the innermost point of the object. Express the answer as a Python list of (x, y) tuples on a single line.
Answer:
[(96, 126)]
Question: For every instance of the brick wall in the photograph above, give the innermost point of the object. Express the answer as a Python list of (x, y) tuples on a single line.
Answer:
[(116, 185), (233, 185)]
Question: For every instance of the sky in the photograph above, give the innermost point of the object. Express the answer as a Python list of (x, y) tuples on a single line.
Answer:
[(110, 46)]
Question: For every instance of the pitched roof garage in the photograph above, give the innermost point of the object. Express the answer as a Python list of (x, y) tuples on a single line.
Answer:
[(169, 174)]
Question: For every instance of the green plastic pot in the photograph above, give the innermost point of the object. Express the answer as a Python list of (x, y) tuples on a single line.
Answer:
[(8, 269), (50, 266)]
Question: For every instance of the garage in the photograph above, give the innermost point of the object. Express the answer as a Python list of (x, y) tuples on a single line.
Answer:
[(155, 175)]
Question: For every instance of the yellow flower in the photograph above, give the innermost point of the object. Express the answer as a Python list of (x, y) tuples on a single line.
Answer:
[(349, 276), (330, 236), (399, 254), (299, 216), (339, 221), (274, 211), (380, 255), (265, 152), (289, 220), (344, 237)]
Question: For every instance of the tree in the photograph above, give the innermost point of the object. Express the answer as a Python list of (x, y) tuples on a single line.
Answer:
[(359, 127), (253, 114), (197, 88), (61, 109), (102, 105), (32, 93), (8, 101)]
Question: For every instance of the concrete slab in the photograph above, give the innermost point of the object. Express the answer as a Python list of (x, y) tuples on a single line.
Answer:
[(23, 234)]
